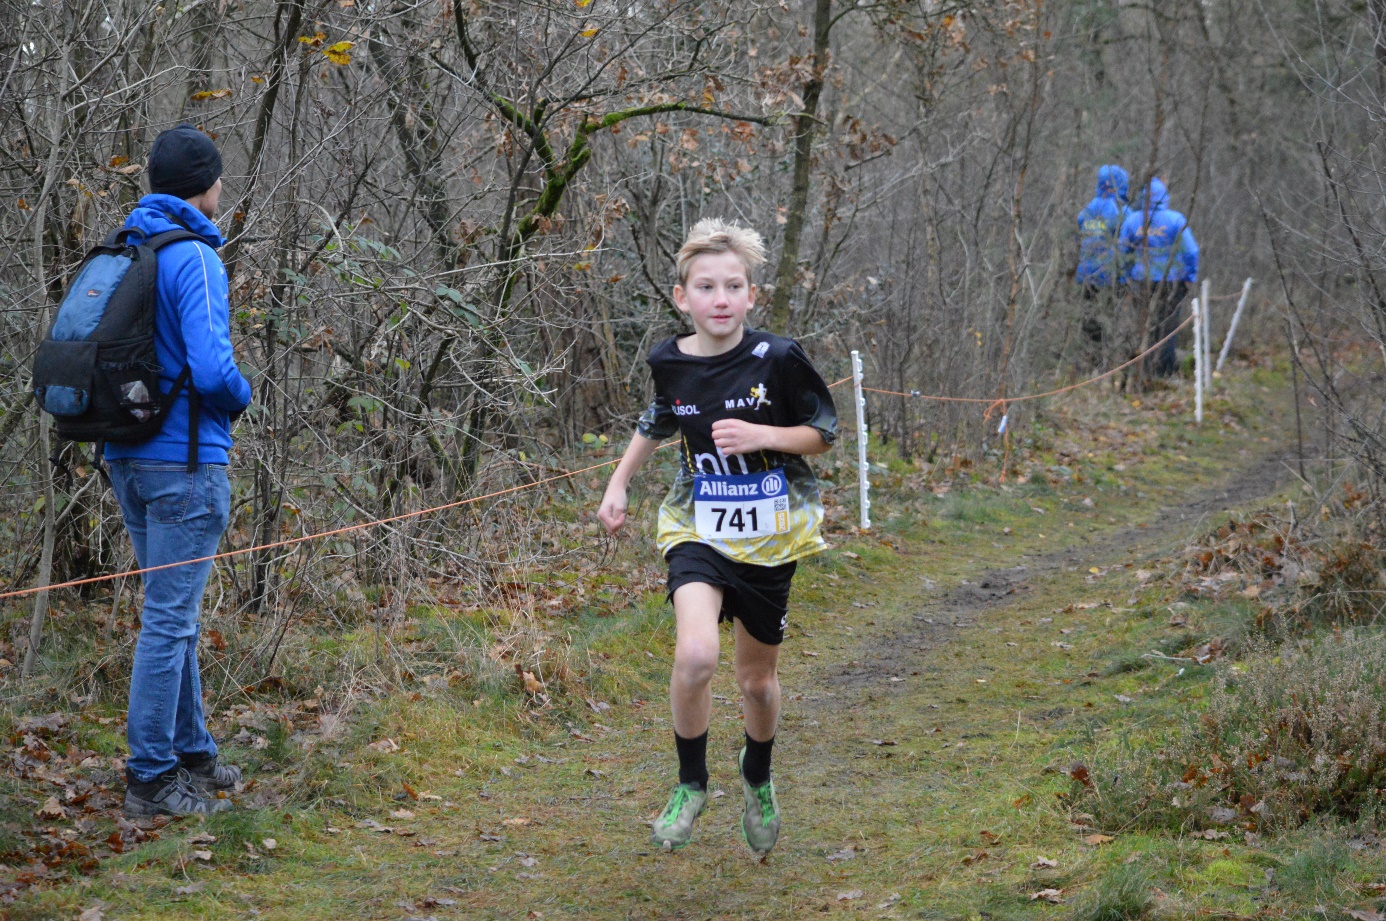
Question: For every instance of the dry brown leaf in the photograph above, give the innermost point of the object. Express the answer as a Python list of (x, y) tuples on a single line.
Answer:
[(401, 814), (269, 844), (51, 809), (384, 745), (1044, 863), (849, 896), (1055, 896), (1098, 840), (518, 822)]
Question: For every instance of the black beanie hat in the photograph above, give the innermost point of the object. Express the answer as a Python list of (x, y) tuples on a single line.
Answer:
[(183, 162)]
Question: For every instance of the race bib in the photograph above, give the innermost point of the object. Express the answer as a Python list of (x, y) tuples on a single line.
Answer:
[(748, 505)]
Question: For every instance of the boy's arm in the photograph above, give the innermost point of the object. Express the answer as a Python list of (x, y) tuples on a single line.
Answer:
[(612, 511), (735, 436)]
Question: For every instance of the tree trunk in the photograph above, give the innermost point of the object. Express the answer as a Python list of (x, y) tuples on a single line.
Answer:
[(805, 124)]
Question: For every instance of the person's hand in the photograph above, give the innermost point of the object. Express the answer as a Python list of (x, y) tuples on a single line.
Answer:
[(612, 511), (735, 436)]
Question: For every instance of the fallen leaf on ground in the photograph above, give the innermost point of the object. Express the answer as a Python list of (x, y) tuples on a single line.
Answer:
[(95, 913), (1044, 863), (202, 855), (384, 745), (51, 809), (1098, 840), (401, 814), (847, 853), (1362, 915), (848, 896), (518, 822), (1049, 895), (201, 838), (269, 844)]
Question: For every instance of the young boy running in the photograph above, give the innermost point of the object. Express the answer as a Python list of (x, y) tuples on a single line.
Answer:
[(743, 509)]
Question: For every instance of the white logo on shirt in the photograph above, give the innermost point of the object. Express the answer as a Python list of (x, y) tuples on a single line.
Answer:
[(760, 350), (759, 397)]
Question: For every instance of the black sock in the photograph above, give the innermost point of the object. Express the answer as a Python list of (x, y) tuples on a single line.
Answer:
[(755, 767), (692, 760)]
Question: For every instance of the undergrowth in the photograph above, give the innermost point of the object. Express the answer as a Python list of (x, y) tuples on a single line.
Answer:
[(1293, 726)]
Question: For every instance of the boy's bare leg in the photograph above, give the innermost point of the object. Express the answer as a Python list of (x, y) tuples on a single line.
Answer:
[(759, 681), (758, 678), (696, 608)]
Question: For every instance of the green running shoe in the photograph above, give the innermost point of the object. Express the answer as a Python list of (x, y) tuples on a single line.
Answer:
[(674, 827), (760, 822)]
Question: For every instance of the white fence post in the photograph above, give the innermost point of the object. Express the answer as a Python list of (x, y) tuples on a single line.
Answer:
[(1198, 360), (863, 469), (1205, 303), (1232, 330)]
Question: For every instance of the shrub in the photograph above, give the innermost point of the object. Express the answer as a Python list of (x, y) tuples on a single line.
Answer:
[(1285, 736), (1123, 894)]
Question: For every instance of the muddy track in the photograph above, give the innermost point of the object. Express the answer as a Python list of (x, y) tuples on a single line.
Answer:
[(942, 615)]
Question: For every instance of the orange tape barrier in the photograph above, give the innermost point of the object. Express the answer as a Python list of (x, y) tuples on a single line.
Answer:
[(289, 542), (993, 403)]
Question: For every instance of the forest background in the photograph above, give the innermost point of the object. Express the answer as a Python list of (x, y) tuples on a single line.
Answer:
[(451, 227)]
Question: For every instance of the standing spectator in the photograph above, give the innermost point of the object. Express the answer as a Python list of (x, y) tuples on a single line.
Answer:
[(1100, 270), (1164, 262), (173, 489)]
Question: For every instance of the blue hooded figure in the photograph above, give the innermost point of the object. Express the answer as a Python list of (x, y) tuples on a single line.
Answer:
[(1157, 242), (1099, 226), (1163, 261)]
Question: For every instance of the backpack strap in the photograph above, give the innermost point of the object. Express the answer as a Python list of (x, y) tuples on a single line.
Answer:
[(184, 379), (119, 239), (194, 421), (156, 243), (160, 240)]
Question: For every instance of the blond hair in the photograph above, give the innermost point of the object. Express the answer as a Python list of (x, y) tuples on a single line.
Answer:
[(714, 235)]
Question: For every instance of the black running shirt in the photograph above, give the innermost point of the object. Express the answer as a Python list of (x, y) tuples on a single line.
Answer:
[(768, 380)]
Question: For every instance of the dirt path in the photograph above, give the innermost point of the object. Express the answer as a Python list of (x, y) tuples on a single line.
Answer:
[(941, 614)]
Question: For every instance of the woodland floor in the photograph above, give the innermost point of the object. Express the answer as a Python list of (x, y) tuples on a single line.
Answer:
[(938, 669)]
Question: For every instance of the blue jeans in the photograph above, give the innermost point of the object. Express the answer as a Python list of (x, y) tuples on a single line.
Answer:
[(172, 515)]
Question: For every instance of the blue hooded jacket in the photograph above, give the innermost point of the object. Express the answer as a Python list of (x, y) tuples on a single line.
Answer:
[(1099, 224), (1157, 240), (192, 327)]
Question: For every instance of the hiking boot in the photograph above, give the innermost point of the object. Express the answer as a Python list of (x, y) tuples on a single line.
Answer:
[(674, 827), (172, 793), (209, 776), (760, 821)]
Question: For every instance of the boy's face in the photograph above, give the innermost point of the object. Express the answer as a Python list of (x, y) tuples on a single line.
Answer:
[(717, 296)]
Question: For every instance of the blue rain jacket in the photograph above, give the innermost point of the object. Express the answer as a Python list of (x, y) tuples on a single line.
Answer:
[(192, 326), (1157, 242), (1099, 226)]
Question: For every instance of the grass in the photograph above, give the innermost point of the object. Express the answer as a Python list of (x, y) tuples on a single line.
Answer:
[(920, 758)]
